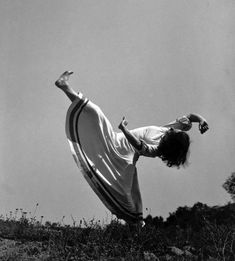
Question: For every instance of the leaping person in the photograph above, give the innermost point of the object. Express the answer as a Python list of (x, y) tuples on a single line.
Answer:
[(108, 159)]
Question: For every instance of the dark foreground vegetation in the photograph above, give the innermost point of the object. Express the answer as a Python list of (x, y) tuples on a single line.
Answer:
[(190, 233)]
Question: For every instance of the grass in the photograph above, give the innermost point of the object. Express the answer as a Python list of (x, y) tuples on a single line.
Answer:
[(196, 233)]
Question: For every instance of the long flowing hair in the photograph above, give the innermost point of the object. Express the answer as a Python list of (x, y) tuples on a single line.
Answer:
[(173, 148)]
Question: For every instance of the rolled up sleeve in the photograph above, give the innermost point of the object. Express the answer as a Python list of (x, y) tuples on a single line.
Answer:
[(182, 123), (185, 123)]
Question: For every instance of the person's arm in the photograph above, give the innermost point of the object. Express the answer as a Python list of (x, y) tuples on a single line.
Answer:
[(203, 125), (185, 123), (182, 123), (136, 143)]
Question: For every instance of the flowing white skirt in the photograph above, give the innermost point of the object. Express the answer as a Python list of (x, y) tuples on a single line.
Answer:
[(105, 158)]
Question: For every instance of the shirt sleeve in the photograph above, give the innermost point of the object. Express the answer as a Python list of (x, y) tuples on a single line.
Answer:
[(147, 150), (183, 123)]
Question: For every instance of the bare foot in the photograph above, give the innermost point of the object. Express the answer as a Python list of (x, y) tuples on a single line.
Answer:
[(62, 82)]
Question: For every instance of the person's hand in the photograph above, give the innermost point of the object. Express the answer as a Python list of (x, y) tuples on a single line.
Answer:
[(123, 123), (203, 126)]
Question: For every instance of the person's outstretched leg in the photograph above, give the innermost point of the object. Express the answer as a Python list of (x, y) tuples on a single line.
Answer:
[(62, 83)]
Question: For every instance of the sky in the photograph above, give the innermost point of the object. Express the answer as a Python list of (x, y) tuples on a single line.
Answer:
[(151, 61)]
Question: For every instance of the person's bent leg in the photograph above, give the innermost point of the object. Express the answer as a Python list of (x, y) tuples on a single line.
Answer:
[(92, 109), (71, 94), (62, 83)]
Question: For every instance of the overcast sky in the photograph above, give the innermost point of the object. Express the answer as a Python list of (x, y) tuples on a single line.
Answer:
[(151, 61)]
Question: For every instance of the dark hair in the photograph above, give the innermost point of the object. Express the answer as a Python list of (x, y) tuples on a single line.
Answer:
[(173, 148)]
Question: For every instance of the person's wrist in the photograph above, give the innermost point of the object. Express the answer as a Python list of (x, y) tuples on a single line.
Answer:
[(201, 120), (121, 127)]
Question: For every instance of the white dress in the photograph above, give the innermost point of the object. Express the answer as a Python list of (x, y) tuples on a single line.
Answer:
[(107, 160)]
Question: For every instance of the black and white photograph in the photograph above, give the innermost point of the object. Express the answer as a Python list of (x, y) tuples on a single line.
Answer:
[(117, 122)]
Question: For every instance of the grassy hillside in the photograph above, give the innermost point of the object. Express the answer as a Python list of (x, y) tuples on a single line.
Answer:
[(190, 233)]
